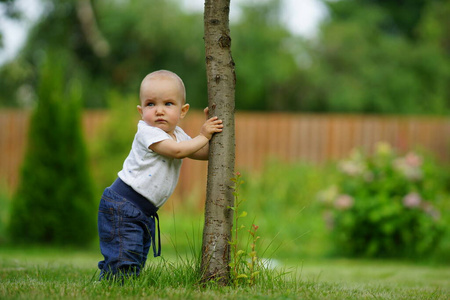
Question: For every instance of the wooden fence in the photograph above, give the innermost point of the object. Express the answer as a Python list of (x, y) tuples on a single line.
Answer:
[(290, 137)]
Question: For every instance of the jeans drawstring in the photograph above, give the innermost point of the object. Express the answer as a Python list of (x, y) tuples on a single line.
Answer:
[(148, 208), (155, 218)]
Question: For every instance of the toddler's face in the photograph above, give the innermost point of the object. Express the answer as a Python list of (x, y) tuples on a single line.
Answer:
[(162, 103)]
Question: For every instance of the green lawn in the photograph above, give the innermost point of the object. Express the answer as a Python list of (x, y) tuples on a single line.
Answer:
[(56, 274)]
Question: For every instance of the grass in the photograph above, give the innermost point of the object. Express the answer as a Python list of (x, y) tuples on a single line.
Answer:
[(292, 233), (42, 273)]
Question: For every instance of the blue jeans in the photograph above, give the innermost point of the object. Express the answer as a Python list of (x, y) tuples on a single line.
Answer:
[(126, 234)]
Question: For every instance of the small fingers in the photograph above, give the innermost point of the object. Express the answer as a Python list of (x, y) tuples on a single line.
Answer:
[(214, 125), (214, 121), (218, 125)]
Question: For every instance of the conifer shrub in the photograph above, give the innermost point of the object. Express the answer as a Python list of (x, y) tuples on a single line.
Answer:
[(54, 202)]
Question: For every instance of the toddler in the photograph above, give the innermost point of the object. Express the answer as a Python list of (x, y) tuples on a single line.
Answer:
[(128, 208)]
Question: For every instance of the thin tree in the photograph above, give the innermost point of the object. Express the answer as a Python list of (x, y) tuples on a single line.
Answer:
[(221, 81)]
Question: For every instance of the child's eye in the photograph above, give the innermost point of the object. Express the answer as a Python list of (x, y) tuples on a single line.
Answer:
[(169, 104), (150, 104)]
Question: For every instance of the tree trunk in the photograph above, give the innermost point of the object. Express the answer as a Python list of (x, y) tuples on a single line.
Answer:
[(219, 195), (94, 37)]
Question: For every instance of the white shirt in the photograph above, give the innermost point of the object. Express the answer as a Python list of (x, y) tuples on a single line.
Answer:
[(150, 174)]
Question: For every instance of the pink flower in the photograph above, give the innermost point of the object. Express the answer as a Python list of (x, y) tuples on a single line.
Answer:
[(413, 160), (344, 202), (412, 200), (431, 211), (409, 166), (351, 168)]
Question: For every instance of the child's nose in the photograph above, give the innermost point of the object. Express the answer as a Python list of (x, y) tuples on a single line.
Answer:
[(159, 109)]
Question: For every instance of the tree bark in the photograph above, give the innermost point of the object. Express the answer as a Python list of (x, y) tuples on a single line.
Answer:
[(221, 81), (94, 37)]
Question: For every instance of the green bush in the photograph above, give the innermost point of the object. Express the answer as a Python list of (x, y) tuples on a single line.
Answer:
[(113, 145), (4, 213), (280, 199), (54, 200), (386, 205)]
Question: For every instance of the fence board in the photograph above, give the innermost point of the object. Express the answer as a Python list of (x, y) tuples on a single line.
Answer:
[(290, 137)]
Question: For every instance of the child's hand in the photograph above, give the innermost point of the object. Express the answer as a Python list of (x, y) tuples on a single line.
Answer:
[(211, 126), (206, 111)]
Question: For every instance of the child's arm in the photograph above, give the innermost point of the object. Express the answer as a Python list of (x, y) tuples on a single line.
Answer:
[(171, 148)]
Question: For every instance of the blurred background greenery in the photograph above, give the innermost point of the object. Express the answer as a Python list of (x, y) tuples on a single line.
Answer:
[(368, 57)]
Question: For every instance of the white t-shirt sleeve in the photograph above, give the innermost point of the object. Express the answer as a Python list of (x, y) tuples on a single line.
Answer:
[(150, 174), (148, 136), (181, 135)]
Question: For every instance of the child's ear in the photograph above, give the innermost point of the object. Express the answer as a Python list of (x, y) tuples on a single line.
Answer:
[(184, 110), (139, 108)]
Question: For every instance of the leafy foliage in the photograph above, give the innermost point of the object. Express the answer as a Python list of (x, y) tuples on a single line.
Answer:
[(4, 214), (264, 51), (142, 36), (359, 66), (54, 201), (400, 18), (386, 205), (281, 197), (109, 151), (369, 56)]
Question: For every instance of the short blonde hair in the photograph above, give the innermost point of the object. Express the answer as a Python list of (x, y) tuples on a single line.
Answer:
[(164, 74)]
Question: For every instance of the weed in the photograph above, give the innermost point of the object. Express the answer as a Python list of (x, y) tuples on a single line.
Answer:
[(241, 269)]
